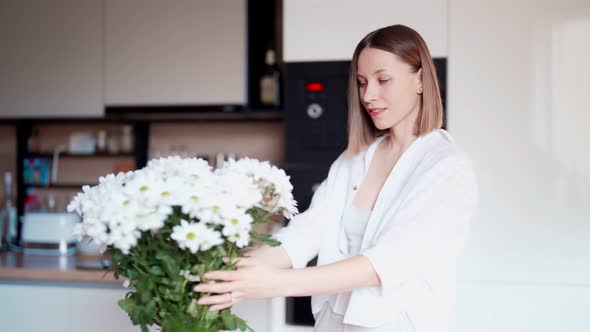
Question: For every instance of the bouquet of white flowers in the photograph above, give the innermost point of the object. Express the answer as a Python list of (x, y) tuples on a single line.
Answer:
[(169, 223)]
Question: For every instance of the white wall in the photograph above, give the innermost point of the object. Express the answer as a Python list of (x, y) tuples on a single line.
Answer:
[(517, 103), (330, 29)]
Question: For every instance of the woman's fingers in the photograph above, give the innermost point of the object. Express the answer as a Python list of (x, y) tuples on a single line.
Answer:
[(216, 299), (222, 287), (241, 261), (220, 306), (218, 302), (222, 275)]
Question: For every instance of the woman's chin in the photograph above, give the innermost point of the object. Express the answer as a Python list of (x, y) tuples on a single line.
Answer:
[(380, 125)]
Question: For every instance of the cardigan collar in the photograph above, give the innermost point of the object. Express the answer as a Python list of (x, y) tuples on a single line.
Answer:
[(397, 177)]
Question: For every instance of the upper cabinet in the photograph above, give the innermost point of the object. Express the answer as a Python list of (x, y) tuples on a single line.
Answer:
[(175, 52), (330, 29), (50, 58)]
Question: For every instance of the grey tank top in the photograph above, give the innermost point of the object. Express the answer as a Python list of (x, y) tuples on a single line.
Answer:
[(355, 222)]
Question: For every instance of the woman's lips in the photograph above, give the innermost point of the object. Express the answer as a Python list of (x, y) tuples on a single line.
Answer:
[(373, 112)]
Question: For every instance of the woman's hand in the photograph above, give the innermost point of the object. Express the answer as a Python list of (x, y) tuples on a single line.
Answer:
[(252, 280)]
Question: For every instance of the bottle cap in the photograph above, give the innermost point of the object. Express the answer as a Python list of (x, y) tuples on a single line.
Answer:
[(8, 178), (270, 57)]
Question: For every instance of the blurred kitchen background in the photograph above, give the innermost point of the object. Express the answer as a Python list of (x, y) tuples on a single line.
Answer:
[(89, 87)]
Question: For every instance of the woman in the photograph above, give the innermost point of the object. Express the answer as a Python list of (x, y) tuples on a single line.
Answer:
[(389, 221)]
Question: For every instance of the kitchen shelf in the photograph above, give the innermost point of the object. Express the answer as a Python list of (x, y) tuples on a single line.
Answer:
[(59, 186), (192, 113), (79, 155)]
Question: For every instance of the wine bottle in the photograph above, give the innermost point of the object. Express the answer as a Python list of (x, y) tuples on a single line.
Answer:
[(270, 81), (8, 215)]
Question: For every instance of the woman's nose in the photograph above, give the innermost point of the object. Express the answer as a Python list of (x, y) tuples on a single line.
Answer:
[(369, 94)]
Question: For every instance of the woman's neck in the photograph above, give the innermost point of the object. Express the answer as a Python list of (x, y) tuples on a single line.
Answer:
[(403, 134), (401, 137)]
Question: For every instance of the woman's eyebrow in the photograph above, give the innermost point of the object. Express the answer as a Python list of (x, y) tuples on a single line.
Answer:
[(375, 72)]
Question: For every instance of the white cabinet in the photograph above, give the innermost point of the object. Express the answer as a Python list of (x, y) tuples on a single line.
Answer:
[(330, 29), (68, 307), (33, 308), (175, 52), (50, 58), (97, 309)]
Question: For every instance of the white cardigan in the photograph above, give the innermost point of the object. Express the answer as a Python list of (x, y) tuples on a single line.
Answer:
[(413, 238)]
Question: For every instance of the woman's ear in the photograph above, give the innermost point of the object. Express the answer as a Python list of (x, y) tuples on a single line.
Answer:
[(419, 88), (419, 76)]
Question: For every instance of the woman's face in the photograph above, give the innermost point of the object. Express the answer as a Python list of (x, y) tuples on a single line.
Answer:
[(388, 89)]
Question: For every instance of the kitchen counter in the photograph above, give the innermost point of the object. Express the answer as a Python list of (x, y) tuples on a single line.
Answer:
[(17, 266), (62, 297)]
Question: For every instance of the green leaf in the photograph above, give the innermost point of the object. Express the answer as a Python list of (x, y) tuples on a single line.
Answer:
[(265, 238), (198, 269), (171, 324), (228, 320), (156, 270), (211, 315), (221, 250), (242, 324), (168, 263), (127, 305), (193, 308)]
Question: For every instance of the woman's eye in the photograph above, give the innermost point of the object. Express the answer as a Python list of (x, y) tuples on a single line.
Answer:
[(362, 84), (384, 81)]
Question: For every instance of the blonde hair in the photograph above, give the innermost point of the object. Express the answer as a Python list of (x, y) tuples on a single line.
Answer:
[(409, 46)]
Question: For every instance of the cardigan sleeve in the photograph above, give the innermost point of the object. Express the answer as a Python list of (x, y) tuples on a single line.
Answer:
[(428, 232), (301, 238)]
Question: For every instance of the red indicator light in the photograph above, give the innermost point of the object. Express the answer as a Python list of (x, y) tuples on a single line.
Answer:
[(314, 87)]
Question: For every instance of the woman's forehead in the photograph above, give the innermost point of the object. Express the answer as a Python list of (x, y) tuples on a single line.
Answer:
[(372, 61)]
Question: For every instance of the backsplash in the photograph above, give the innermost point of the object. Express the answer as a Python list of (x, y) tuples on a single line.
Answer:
[(260, 140)]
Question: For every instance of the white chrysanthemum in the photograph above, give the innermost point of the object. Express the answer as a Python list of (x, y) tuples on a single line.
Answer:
[(210, 239), (124, 237), (164, 167), (87, 200), (196, 169), (273, 183), (241, 239), (192, 169), (113, 181), (283, 188), (188, 276), (117, 210), (153, 218), (237, 224), (95, 229), (196, 198), (75, 204), (215, 207), (209, 210), (174, 190), (145, 187), (195, 236), (239, 188)]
